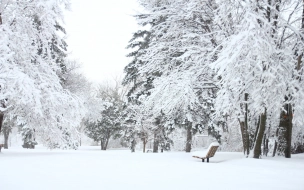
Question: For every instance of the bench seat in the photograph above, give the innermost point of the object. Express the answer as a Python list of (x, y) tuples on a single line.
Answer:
[(210, 152)]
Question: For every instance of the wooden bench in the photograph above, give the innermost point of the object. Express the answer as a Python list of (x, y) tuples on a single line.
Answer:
[(1, 145), (206, 155)]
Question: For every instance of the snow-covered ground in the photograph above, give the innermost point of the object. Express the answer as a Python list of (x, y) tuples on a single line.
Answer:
[(89, 168)]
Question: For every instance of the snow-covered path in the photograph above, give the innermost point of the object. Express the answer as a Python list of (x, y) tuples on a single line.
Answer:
[(89, 168)]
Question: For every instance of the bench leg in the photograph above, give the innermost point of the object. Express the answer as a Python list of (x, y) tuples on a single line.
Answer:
[(203, 160), (207, 159)]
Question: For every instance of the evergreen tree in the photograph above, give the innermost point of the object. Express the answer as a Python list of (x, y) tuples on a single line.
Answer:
[(175, 53), (28, 137), (108, 124)]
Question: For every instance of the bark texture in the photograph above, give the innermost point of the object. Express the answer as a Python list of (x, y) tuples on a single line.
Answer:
[(1, 120), (133, 144), (286, 130), (189, 137), (6, 134), (258, 143), (155, 144), (144, 143), (244, 128)]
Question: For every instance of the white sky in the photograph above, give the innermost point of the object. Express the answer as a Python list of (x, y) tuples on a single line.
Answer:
[(98, 32)]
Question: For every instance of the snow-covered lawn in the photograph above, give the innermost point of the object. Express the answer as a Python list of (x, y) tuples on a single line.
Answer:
[(89, 168)]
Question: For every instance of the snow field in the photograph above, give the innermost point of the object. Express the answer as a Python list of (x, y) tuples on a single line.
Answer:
[(89, 168)]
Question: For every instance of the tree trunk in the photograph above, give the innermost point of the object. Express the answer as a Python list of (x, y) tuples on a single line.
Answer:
[(256, 133), (289, 133), (286, 126), (6, 134), (266, 147), (243, 135), (244, 129), (275, 149), (155, 144), (189, 137), (275, 143), (144, 147), (103, 144), (133, 144), (1, 119), (246, 125), (257, 148), (107, 142)]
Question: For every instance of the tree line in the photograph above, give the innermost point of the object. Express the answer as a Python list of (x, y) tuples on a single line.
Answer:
[(233, 68)]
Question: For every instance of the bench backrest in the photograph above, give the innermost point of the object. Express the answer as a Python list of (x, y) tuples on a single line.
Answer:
[(211, 151)]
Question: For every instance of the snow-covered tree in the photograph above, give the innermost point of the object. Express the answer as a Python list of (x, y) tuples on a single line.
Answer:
[(108, 123), (30, 88), (76, 83), (28, 137), (136, 124), (176, 59), (208, 61), (257, 66)]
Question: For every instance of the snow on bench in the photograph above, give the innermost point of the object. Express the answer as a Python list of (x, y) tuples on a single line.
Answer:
[(208, 153)]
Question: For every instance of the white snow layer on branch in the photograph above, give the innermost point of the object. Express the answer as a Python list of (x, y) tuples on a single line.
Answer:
[(28, 79), (252, 62), (176, 98)]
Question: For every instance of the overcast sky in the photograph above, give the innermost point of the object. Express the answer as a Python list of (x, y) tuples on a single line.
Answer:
[(98, 32)]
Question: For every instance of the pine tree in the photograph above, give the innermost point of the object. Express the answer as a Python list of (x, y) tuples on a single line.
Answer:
[(28, 137), (139, 86), (176, 52), (108, 124)]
